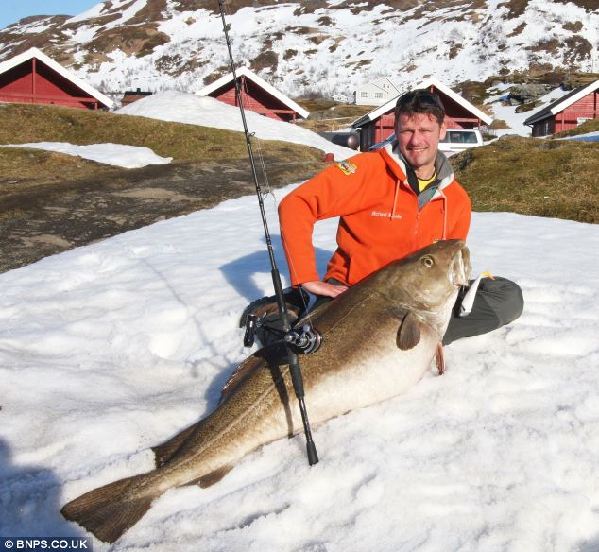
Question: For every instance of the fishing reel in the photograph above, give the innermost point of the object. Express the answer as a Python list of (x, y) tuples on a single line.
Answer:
[(307, 340), (304, 340)]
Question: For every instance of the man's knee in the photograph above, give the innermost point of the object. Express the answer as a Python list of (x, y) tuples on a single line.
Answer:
[(504, 297), (497, 303)]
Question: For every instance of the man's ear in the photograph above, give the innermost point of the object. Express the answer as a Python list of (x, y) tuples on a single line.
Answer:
[(442, 130)]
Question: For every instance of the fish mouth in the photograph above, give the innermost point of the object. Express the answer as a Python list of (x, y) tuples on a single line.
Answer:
[(461, 268)]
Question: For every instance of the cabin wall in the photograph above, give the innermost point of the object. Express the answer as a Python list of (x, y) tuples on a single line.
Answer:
[(257, 100), (544, 127), (367, 134), (571, 117)]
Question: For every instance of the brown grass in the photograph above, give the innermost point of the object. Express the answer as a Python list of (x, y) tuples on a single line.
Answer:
[(574, 27), (20, 124), (517, 30), (326, 115), (265, 59), (515, 7), (533, 177), (22, 168), (138, 40), (454, 50), (578, 49), (325, 21)]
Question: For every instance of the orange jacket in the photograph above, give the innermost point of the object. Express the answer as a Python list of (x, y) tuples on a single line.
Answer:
[(380, 218)]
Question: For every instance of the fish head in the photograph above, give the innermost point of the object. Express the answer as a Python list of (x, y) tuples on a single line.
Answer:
[(427, 281)]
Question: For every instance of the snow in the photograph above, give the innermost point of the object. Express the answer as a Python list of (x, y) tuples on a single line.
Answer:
[(207, 111), (115, 6), (111, 348), (120, 155), (515, 120), (454, 44), (94, 11)]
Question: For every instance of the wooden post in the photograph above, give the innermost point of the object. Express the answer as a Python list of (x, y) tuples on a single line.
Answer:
[(244, 93), (33, 79)]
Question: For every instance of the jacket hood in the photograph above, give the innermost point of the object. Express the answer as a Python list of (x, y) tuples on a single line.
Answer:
[(395, 161)]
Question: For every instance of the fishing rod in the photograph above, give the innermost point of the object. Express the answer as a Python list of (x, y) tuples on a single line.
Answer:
[(291, 337)]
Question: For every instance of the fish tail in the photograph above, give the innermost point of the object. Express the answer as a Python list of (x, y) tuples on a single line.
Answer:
[(109, 511)]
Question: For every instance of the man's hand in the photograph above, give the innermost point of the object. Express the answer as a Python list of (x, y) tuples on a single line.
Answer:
[(322, 288)]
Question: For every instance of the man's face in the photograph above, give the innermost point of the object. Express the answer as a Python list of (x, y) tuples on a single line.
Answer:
[(418, 135)]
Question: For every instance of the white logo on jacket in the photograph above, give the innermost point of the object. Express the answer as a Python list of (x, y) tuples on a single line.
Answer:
[(386, 215)]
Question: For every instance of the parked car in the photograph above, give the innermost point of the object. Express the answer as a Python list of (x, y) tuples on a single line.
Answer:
[(456, 139), (460, 139)]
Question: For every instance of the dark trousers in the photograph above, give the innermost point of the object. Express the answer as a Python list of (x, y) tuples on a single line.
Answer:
[(496, 303)]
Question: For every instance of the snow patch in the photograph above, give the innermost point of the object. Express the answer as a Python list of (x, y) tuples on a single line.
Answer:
[(120, 155), (209, 112)]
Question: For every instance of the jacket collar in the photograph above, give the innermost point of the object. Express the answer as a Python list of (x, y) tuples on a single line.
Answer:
[(397, 165)]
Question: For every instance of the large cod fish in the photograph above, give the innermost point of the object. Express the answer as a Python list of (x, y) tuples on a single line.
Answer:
[(379, 338)]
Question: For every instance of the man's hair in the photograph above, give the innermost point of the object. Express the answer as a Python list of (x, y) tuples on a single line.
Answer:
[(420, 101)]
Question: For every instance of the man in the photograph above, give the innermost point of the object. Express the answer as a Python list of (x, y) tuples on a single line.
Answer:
[(391, 202)]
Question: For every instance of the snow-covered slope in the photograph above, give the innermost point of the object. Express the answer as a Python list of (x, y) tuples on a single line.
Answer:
[(206, 111), (328, 46), (109, 349)]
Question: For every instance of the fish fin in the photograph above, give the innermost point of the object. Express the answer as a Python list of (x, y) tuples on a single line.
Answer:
[(164, 452), (440, 359), (274, 353), (240, 373), (408, 334), (213, 477), (105, 512)]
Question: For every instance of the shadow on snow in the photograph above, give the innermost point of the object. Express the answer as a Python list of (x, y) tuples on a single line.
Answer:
[(30, 501)]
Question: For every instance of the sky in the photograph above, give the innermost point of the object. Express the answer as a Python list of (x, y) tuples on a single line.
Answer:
[(13, 10)]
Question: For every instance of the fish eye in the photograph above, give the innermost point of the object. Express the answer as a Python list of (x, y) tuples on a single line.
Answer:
[(427, 261)]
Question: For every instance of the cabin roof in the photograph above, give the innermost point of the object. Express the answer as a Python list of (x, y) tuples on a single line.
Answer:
[(62, 71), (245, 72)]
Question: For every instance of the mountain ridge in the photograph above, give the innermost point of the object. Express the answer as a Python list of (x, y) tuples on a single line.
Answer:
[(316, 46)]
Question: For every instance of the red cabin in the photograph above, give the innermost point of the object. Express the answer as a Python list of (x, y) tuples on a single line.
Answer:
[(257, 95), (379, 124), (567, 112), (33, 77)]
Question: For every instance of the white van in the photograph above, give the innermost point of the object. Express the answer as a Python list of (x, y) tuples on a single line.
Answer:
[(459, 139)]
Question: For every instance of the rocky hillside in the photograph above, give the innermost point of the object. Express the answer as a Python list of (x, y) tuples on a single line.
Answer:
[(326, 46)]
